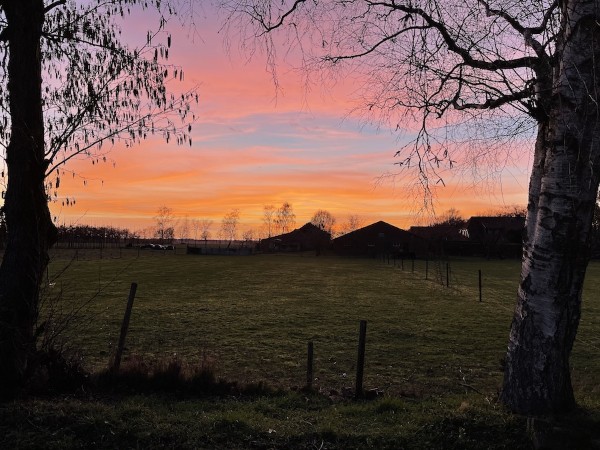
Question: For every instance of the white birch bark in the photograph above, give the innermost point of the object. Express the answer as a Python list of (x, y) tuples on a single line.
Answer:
[(562, 194)]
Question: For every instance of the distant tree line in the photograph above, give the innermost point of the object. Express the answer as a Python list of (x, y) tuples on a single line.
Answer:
[(275, 221), (76, 236)]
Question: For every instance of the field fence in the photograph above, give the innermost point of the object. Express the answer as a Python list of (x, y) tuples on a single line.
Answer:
[(448, 273), (471, 282)]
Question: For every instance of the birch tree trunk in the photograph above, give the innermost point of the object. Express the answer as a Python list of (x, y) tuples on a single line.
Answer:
[(562, 195), (29, 224)]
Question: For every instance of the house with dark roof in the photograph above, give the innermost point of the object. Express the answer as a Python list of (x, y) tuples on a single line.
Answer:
[(445, 239), (378, 239), (498, 236), (439, 232), (306, 238)]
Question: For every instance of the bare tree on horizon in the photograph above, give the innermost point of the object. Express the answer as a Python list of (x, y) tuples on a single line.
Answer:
[(324, 220), (229, 226), (205, 226), (285, 219), (269, 217)]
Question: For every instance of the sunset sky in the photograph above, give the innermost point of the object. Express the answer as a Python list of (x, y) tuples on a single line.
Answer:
[(254, 146)]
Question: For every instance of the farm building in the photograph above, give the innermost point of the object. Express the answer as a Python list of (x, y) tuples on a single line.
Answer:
[(498, 236), (378, 239), (446, 239), (306, 238)]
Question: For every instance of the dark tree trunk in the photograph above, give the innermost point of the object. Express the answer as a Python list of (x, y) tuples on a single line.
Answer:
[(562, 196), (29, 224)]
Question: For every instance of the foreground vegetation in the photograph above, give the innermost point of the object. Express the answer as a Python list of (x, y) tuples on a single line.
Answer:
[(434, 354)]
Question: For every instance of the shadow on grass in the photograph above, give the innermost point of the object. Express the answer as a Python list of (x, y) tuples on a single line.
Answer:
[(171, 404)]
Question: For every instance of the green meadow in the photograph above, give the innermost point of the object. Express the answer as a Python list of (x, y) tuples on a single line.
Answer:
[(434, 353)]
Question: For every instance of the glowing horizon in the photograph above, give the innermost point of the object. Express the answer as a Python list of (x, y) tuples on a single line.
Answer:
[(255, 146)]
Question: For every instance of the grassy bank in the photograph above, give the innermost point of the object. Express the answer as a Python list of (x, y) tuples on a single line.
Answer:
[(291, 421)]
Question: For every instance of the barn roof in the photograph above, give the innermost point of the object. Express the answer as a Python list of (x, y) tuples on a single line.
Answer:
[(498, 223), (439, 232), (306, 230), (379, 229)]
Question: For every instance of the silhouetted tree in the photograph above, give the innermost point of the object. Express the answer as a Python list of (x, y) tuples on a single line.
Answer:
[(269, 219), (353, 222), (184, 229), (67, 85), (248, 236), (229, 226), (205, 225), (452, 218), (285, 218), (324, 220), (511, 211), (165, 231), (75, 235)]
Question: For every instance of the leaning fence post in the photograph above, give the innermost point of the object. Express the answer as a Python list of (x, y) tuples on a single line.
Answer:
[(360, 364), (480, 285), (309, 366), (124, 326)]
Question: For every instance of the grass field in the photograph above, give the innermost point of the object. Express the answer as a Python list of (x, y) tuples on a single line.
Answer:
[(434, 351)]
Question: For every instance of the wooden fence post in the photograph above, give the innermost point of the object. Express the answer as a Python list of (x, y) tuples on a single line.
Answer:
[(309, 366), (447, 274), (360, 364), (427, 268), (124, 326), (480, 296)]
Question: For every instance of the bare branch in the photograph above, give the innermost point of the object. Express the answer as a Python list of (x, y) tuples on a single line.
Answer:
[(526, 32), (269, 27), (494, 102), (372, 48), (452, 45), (53, 5)]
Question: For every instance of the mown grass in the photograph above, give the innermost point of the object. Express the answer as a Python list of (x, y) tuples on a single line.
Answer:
[(435, 352)]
